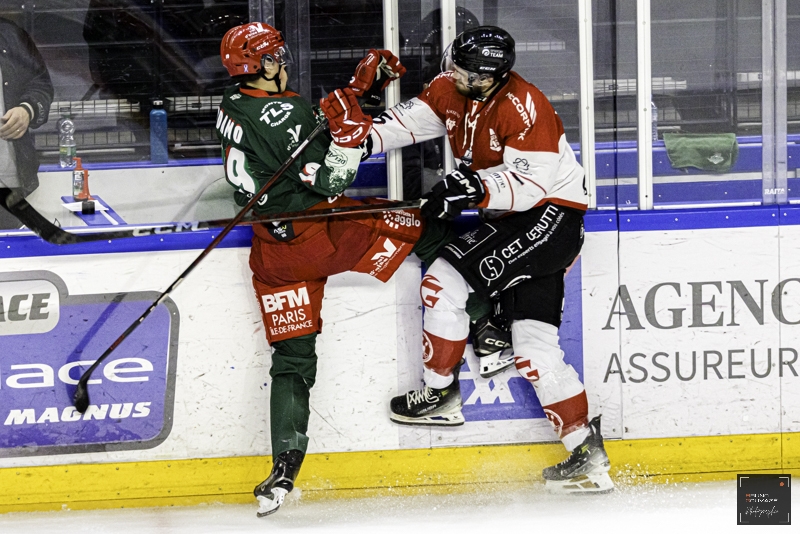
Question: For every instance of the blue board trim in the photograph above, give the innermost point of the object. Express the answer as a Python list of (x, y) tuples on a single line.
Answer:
[(601, 221), (24, 246), (19, 244), (697, 219), (790, 215)]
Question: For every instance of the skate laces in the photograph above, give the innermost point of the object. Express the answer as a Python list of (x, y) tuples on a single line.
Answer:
[(574, 454), (419, 396), (565, 463)]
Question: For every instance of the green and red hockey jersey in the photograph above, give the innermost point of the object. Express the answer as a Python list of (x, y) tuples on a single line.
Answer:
[(259, 131)]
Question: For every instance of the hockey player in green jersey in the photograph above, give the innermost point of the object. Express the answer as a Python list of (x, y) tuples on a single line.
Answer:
[(260, 123)]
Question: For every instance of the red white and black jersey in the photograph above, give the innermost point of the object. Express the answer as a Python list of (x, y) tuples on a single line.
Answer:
[(515, 141)]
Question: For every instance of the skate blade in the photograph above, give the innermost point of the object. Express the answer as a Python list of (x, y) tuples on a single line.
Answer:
[(453, 418), (267, 506), (592, 483), (496, 362)]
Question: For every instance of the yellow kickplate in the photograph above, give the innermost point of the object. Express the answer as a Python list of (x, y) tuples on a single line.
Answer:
[(231, 480)]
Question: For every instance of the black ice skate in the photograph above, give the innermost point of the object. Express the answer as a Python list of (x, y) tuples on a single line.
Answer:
[(492, 346), (271, 492), (586, 469), (429, 406)]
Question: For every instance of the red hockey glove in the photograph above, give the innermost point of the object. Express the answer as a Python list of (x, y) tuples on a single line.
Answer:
[(374, 74), (349, 126), (458, 191)]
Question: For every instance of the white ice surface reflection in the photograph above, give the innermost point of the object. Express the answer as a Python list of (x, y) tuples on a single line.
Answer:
[(686, 508)]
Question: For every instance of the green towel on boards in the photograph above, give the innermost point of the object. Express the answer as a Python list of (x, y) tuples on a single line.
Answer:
[(707, 152)]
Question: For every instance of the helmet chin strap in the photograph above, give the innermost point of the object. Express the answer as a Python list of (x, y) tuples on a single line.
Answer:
[(275, 79), (474, 93), (482, 95)]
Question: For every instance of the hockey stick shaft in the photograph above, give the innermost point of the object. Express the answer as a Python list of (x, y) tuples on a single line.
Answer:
[(81, 397), (58, 236), (389, 205)]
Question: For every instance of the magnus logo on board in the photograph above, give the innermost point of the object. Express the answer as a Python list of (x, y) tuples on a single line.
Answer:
[(48, 338), (704, 307)]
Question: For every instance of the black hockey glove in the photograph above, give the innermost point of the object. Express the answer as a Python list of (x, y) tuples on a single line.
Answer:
[(458, 191)]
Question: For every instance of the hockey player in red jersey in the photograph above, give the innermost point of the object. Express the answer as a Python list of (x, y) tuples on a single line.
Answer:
[(515, 164), (261, 123)]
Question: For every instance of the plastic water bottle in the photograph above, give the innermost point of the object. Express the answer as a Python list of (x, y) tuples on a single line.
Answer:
[(654, 120), (66, 141), (158, 133)]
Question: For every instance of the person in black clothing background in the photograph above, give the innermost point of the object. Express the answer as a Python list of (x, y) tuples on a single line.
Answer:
[(27, 94)]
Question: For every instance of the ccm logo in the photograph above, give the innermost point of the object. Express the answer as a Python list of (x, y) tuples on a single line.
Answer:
[(275, 301), (495, 342), (28, 307)]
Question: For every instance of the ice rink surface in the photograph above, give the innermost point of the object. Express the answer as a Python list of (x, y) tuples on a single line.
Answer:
[(686, 508)]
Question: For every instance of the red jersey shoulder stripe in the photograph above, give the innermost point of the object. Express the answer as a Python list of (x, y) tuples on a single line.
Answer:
[(260, 93)]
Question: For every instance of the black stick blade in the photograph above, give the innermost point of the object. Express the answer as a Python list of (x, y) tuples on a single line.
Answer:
[(81, 398)]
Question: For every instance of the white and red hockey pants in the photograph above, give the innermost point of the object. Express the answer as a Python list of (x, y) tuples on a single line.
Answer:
[(538, 357)]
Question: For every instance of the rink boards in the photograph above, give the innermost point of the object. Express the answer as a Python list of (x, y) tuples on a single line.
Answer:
[(682, 324)]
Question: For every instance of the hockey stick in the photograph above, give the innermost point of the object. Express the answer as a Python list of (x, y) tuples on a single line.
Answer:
[(58, 236), (81, 397)]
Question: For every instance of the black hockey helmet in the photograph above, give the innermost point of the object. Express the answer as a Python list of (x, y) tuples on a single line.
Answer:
[(484, 50)]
